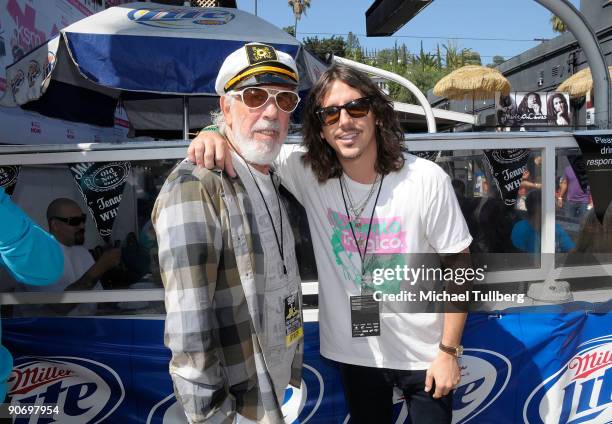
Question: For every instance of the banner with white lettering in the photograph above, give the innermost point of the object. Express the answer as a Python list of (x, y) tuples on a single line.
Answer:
[(507, 168), (8, 177), (101, 185), (597, 153)]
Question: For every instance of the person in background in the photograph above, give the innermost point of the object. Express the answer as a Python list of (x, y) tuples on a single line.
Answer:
[(571, 198), (526, 233), (81, 272), (531, 180), (31, 255)]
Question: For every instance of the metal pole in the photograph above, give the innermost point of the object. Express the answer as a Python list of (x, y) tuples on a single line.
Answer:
[(429, 116), (580, 28), (255, 7), (185, 118)]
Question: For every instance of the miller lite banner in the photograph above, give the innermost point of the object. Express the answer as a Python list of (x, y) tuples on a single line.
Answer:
[(8, 177), (507, 168), (101, 185), (550, 367), (597, 156)]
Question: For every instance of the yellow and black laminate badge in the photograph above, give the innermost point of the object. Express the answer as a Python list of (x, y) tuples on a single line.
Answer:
[(293, 319), (258, 53)]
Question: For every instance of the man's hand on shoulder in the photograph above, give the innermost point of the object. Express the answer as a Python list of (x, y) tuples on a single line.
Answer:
[(210, 150), (445, 372)]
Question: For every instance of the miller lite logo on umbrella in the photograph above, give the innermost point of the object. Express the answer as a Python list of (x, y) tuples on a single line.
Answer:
[(507, 167), (8, 177), (101, 185)]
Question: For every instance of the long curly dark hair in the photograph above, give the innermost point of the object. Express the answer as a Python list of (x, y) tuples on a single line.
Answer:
[(389, 136)]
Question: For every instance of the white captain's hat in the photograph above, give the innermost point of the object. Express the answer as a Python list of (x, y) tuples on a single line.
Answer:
[(254, 64)]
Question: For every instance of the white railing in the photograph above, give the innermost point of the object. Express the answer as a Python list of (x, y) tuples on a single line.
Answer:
[(548, 142)]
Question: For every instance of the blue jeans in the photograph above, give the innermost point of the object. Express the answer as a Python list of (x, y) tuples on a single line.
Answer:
[(369, 395), (575, 209)]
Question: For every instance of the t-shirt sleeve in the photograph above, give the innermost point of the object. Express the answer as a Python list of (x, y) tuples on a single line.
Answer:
[(566, 173), (445, 225), (289, 167)]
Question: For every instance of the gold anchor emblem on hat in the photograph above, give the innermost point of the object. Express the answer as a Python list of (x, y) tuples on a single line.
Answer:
[(261, 53)]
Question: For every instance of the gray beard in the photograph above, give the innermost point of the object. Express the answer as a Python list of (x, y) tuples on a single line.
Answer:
[(251, 150)]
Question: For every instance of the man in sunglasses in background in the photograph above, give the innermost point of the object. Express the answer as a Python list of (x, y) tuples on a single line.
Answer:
[(371, 205), (227, 256), (81, 272)]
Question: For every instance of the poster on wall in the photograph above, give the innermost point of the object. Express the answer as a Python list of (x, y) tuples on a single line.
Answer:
[(533, 108)]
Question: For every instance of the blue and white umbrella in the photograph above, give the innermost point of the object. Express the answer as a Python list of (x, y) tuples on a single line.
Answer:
[(150, 56)]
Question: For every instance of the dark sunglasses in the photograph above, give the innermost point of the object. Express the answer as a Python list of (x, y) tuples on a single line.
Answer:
[(357, 108), (73, 221), (256, 97)]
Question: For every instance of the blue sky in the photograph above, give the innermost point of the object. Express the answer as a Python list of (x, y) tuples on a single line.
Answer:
[(503, 20)]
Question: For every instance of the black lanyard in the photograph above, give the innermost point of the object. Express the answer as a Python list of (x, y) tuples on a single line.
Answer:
[(279, 245), (365, 248)]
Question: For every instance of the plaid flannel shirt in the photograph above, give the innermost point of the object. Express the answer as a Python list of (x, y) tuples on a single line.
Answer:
[(212, 267)]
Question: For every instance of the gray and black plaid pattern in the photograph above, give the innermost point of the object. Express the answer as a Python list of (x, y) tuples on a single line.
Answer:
[(210, 262)]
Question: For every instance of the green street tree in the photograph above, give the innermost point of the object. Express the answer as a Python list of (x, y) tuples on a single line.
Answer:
[(298, 7), (321, 47), (470, 57), (353, 48), (497, 60), (557, 24), (289, 30)]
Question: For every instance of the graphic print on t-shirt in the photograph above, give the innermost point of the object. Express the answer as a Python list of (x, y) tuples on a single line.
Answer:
[(386, 249)]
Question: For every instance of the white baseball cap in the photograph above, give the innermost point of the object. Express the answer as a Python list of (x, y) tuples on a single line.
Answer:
[(253, 64)]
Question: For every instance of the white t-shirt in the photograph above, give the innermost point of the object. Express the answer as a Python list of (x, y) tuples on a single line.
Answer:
[(77, 260), (416, 212), (279, 287)]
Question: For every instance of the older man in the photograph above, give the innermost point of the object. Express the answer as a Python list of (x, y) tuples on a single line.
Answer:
[(373, 207), (227, 256)]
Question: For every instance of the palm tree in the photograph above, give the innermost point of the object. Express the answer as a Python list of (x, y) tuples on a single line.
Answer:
[(557, 24), (299, 7)]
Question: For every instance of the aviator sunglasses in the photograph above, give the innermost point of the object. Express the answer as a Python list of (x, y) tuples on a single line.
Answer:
[(256, 97), (357, 108), (73, 221)]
